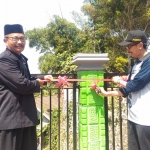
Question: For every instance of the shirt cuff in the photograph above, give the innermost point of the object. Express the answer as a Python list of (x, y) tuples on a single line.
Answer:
[(124, 92)]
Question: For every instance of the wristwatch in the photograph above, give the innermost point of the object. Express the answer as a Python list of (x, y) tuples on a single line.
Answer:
[(118, 81)]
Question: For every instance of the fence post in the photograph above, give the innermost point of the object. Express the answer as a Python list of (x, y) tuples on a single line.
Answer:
[(92, 135)]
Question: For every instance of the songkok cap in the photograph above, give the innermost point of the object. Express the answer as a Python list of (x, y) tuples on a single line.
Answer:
[(133, 37), (13, 28)]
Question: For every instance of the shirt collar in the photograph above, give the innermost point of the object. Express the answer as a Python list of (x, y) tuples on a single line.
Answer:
[(145, 57)]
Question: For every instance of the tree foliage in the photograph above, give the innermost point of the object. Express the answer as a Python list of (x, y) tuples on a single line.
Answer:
[(59, 41), (108, 22), (112, 19)]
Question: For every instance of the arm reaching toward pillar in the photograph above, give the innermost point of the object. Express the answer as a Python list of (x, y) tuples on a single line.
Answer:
[(101, 91)]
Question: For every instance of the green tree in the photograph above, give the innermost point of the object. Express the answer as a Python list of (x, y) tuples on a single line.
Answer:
[(59, 41), (111, 20), (108, 22)]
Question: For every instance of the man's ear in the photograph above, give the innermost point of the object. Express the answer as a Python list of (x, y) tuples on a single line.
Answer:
[(4, 40), (140, 45)]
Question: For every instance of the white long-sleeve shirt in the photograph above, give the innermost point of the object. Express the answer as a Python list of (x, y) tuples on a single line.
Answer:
[(137, 92)]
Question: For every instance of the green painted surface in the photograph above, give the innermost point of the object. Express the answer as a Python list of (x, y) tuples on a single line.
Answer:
[(89, 97), (91, 113)]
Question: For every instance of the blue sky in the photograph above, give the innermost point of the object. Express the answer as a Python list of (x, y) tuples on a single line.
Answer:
[(34, 13)]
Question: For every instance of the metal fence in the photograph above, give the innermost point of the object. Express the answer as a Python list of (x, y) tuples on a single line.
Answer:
[(116, 117), (59, 126)]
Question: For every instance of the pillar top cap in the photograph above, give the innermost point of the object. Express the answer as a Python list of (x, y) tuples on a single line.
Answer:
[(90, 61)]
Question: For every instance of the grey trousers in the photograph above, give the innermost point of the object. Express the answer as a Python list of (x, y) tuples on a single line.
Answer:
[(18, 139), (138, 136)]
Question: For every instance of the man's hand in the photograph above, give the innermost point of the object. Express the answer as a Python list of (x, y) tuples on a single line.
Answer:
[(116, 79), (98, 90), (101, 91), (124, 78), (42, 82), (48, 78)]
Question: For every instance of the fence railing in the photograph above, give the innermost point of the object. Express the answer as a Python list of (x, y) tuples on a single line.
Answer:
[(58, 129), (116, 117), (59, 117)]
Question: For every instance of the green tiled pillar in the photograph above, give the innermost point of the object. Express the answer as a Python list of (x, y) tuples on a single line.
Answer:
[(91, 106)]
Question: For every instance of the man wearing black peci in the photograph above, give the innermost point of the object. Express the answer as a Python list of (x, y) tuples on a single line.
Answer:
[(18, 114)]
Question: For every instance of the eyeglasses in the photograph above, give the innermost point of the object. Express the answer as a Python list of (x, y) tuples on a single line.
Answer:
[(130, 45), (16, 39)]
